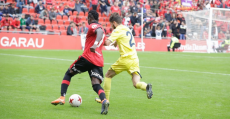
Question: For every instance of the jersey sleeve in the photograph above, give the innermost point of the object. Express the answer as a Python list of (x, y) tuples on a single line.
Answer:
[(114, 35)]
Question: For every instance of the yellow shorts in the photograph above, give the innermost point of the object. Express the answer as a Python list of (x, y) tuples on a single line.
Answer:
[(131, 65)]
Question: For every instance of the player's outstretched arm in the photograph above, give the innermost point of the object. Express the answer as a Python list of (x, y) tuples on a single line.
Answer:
[(99, 33), (109, 43)]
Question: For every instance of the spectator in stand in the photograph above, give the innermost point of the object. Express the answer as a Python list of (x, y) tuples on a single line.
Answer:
[(83, 29), (217, 3), (227, 34), (168, 16), (71, 29), (103, 7), (49, 2), (224, 4), (77, 20), (55, 7), (133, 8), (132, 30), (153, 28), (175, 29), (108, 2), (60, 10), (126, 20), (16, 23), (221, 36), (105, 29), (152, 6), (125, 8), (1, 8), (39, 8), (94, 4), (205, 34), (52, 15), (115, 8), (215, 31), (5, 23), (66, 11), (134, 18), (155, 6), (32, 2), (20, 5), (44, 14), (137, 28), (147, 33), (159, 31), (164, 32), (169, 31), (31, 24), (80, 7), (22, 22), (71, 5), (6, 11), (173, 18), (12, 10), (182, 31), (126, 3)]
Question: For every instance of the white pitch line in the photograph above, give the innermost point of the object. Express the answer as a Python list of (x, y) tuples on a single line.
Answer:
[(111, 64)]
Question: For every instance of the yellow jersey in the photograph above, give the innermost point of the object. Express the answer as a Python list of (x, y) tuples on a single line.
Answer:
[(125, 41)]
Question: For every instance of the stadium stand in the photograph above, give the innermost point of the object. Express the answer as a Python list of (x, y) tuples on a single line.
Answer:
[(163, 13)]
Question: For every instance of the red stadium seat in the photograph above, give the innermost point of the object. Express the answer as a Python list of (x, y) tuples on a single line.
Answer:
[(86, 14), (40, 21), (83, 19), (49, 27), (59, 17), (47, 21), (31, 11), (70, 13), (60, 22), (66, 22), (24, 10), (75, 13), (65, 18), (81, 14), (62, 27), (55, 27), (54, 22), (63, 32)]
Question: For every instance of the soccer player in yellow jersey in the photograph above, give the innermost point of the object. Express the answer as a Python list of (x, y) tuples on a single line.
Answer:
[(128, 60)]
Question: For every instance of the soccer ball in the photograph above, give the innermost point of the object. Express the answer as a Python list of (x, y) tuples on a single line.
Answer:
[(75, 100)]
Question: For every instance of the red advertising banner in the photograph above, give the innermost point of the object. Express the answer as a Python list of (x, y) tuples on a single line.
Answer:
[(61, 42)]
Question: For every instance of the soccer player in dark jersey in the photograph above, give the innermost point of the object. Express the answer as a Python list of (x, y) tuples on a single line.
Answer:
[(91, 60)]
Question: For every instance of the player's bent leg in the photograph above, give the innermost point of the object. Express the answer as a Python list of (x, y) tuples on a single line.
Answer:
[(64, 86), (107, 84), (99, 90), (142, 85)]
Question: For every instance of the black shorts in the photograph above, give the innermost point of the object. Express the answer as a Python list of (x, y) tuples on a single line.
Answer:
[(82, 65)]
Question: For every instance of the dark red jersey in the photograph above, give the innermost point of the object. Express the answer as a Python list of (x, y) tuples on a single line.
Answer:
[(95, 58)]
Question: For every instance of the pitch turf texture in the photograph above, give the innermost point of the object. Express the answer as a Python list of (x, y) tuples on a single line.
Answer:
[(185, 85)]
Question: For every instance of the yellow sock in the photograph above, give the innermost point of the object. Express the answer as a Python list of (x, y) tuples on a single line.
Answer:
[(107, 87), (141, 85)]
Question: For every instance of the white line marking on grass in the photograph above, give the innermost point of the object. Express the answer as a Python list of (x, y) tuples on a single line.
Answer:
[(111, 64)]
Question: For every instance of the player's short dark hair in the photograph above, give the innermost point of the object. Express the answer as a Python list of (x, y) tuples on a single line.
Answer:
[(94, 14), (115, 17)]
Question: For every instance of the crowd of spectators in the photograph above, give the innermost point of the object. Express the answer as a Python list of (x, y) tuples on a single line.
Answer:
[(161, 18)]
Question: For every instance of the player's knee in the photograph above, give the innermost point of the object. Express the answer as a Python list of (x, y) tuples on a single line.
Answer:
[(70, 72), (95, 81), (134, 85), (110, 74)]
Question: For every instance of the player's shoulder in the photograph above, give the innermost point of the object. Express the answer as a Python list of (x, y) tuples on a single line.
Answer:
[(95, 25)]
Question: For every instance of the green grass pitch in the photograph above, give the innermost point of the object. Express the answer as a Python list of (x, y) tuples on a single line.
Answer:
[(185, 86)]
